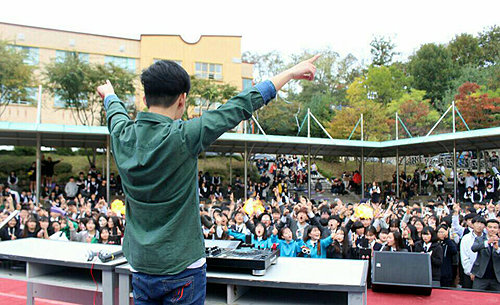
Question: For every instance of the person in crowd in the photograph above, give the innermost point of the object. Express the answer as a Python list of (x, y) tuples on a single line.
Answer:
[(313, 246), (89, 235), (258, 236), (449, 251), (49, 170), (429, 245), (31, 228), (71, 188), (11, 231), (340, 247), (31, 172), (486, 268), (104, 236), (115, 229), (285, 243), (375, 192), (12, 181), (394, 243)]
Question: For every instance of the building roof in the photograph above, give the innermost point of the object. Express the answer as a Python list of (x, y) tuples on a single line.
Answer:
[(24, 134)]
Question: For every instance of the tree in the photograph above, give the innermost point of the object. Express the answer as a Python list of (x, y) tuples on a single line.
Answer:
[(465, 50), (382, 49), (489, 41), (15, 76), (75, 81), (205, 93), (278, 118), (477, 108), (124, 84), (432, 69), (374, 121), (415, 111), (380, 84), (487, 77), (265, 65), (333, 74)]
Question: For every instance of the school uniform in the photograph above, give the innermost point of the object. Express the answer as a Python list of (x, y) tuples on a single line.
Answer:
[(287, 248), (258, 242), (436, 251), (313, 246), (449, 251)]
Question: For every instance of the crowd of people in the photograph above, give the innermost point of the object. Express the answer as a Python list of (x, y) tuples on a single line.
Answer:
[(76, 210), (460, 237)]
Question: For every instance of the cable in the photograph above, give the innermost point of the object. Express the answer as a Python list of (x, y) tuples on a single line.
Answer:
[(95, 282)]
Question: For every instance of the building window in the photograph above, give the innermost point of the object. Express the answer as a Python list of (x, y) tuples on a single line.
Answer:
[(247, 83), (122, 62), (60, 103), (208, 71), (31, 55), (179, 62), (31, 97), (61, 56)]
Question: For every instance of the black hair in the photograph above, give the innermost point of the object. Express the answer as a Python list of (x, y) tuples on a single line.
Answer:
[(264, 235), (306, 237), (492, 220), (480, 219), (398, 240), (430, 230), (344, 248), (356, 225), (163, 82)]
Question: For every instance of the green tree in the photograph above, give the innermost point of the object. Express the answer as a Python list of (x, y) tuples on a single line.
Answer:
[(205, 93), (382, 50), (75, 82), (415, 111), (489, 41), (124, 83), (374, 121), (432, 69), (465, 50), (381, 84), (487, 77), (278, 118), (265, 65), (15, 75)]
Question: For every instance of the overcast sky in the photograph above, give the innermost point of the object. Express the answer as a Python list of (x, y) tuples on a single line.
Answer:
[(286, 26)]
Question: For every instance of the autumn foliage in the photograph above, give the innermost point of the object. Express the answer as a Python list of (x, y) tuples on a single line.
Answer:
[(478, 109)]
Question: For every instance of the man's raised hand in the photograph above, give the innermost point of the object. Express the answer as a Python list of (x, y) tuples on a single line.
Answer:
[(305, 69), (106, 89), (302, 70)]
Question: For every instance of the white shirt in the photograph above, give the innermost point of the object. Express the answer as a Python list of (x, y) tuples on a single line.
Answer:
[(466, 255), (470, 181)]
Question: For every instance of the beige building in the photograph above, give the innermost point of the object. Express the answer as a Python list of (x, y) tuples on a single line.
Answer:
[(217, 58)]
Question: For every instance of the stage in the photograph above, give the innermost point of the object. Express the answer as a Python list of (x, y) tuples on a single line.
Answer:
[(14, 293)]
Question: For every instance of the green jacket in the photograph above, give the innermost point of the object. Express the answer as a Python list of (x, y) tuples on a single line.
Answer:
[(157, 159)]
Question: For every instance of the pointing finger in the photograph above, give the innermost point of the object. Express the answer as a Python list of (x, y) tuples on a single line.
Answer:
[(314, 58)]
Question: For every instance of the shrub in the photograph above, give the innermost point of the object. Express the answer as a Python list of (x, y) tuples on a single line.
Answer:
[(64, 151), (24, 151), (62, 167)]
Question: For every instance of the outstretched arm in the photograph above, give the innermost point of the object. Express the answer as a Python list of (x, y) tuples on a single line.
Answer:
[(203, 131)]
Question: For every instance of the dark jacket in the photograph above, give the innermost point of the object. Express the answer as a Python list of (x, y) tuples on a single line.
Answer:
[(449, 250), (6, 232), (484, 255), (436, 257)]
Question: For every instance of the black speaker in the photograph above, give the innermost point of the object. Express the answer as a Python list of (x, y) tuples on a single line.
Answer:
[(402, 272)]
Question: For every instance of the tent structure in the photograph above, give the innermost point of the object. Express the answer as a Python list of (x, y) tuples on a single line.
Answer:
[(50, 135)]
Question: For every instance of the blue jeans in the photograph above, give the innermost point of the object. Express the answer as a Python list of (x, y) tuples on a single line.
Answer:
[(187, 287)]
